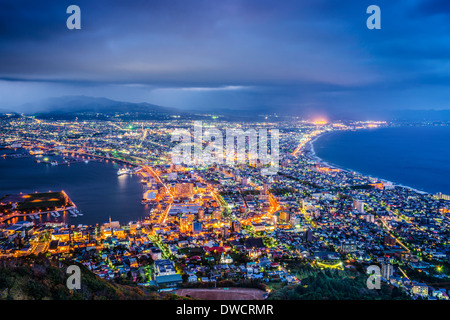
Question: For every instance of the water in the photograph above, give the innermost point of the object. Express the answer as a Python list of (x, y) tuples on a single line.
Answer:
[(417, 157), (94, 187)]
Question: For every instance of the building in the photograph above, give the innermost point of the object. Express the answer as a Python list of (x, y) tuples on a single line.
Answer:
[(225, 231), (369, 218), (358, 206), (389, 240), (285, 216), (171, 176), (197, 227), (236, 226), (258, 227), (349, 246), (150, 195), (185, 226), (441, 196), (420, 289), (155, 253), (217, 215), (171, 280), (201, 214), (185, 190), (164, 267), (225, 259), (295, 220), (308, 235)]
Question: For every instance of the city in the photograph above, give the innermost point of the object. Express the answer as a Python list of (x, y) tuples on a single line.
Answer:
[(230, 158), (219, 225)]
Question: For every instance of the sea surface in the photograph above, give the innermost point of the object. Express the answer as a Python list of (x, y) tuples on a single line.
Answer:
[(417, 157), (94, 187)]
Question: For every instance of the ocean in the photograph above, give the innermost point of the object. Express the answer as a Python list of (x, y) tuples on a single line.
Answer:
[(94, 187), (417, 157)]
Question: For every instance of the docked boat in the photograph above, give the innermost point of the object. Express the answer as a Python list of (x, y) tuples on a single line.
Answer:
[(123, 171)]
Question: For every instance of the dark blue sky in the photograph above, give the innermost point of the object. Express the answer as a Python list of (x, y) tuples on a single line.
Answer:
[(303, 57)]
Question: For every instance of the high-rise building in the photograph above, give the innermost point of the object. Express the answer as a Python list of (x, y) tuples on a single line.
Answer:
[(216, 214), (308, 235), (225, 232), (358, 206), (441, 196), (201, 214), (236, 226), (197, 227), (294, 219), (389, 240), (184, 224), (285, 216)]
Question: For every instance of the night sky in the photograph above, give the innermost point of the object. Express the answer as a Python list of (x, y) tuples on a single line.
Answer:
[(300, 57)]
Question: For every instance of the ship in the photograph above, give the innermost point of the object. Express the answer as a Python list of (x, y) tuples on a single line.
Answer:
[(123, 171)]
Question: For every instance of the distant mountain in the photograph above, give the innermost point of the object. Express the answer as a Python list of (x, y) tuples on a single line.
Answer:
[(83, 107), (91, 106), (5, 111)]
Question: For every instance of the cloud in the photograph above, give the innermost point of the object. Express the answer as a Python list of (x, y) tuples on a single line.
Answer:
[(290, 55)]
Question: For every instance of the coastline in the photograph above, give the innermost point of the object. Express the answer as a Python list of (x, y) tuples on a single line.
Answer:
[(311, 154), (85, 218)]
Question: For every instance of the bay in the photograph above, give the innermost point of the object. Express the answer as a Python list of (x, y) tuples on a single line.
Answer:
[(414, 156), (94, 187)]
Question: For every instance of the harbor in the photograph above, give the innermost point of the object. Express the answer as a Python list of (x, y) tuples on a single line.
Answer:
[(88, 182), (37, 207)]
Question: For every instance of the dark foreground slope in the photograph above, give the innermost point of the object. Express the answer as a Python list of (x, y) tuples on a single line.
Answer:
[(39, 278)]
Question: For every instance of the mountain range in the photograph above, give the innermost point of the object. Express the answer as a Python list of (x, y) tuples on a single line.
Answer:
[(84, 108)]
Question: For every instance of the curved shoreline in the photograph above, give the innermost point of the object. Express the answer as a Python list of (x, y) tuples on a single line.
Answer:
[(98, 219), (314, 157)]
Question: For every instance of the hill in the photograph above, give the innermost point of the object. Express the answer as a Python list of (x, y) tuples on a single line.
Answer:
[(335, 285), (83, 107), (40, 278)]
